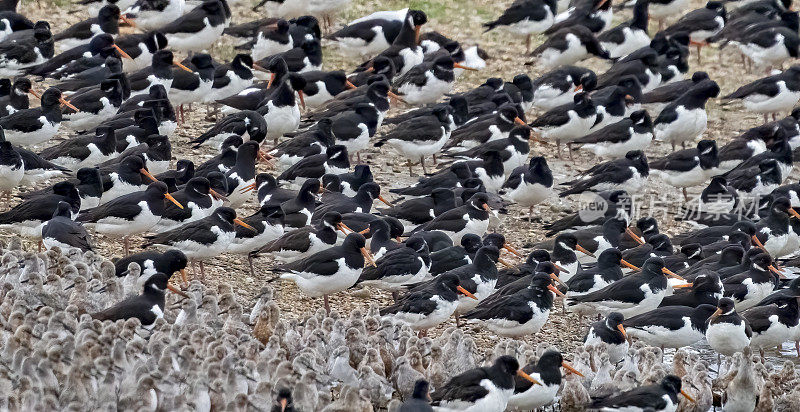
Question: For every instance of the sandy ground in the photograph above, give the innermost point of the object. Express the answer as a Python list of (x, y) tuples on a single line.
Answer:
[(460, 20)]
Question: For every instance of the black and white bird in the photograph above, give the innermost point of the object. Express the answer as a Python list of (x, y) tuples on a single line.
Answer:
[(670, 326), (421, 136), (663, 95), (18, 56), (688, 167), (685, 118), (131, 214), (546, 371), (773, 322), (615, 140), (771, 94), (198, 200), (247, 124), (140, 48), (151, 262), (660, 397), (270, 40), (700, 24), (558, 87), (491, 126), (329, 271), (428, 304), (427, 82), (482, 389), (107, 21), (305, 241), (529, 185), (629, 173), (12, 168), (631, 295), (369, 35), (611, 332), (628, 36), (34, 126), (333, 161), (569, 46), (94, 105), (405, 51), (526, 18), (399, 266), (154, 14), (472, 217), (198, 29), (232, 78), (517, 314), (63, 232), (567, 122), (27, 217), (727, 331), (128, 176), (147, 307), (754, 284)]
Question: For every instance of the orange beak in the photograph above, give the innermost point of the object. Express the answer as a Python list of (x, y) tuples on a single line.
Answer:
[(683, 392), (368, 257), (172, 199), (600, 4), (271, 79), (302, 99), (579, 88), (622, 329), (519, 121), (527, 377), (681, 286), (349, 84), (716, 314), (217, 196), (794, 213), (179, 64), (460, 66), (284, 402), (508, 247), (581, 249), (364, 232), (758, 242), (557, 279), (416, 34), (569, 367), (486, 207), (241, 223), (148, 174), (396, 97), (176, 291), (251, 186), (184, 278), (634, 236), (35, 94), (66, 103), (122, 52), (775, 270), (560, 269), (126, 20), (672, 274), (504, 263), (384, 201), (466, 292), (555, 290), (628, 265), (341, 226), (259, 68)]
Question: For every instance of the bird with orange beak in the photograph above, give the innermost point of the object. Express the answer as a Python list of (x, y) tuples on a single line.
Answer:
[(547, 371)]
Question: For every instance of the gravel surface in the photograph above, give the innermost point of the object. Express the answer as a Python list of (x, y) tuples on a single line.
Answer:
[(460, 20)]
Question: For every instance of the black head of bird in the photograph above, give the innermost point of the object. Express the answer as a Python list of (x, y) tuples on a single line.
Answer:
[(708, 154), (647, 225), (333, 220), (357, 242), (332, 182), (614, 322), (726, 306), (418, 245), (396, 228), (310, 188), (461, 170), (638, 159), (155, 41), (158, 284), (202, 61), (100, 42), (471, 242), (336, 152), (480, 201), (176, 260), (538, 256), (443, 113), (383, 66), (63, 209)]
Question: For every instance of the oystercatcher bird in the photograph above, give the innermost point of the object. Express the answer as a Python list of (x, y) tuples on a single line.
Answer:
[(529, 185), (298, 211), (280, 110), (18, 56), (558, 87), (472, 217), (154, 14), (700, 24), (592, 278), (665, 94), (34, 126), (615, 140), (670, 326), (61, 231), (151, 262), (450, 177), (569, 45), (727, 331), (771, 94), (525, 18), (428, 304), (201, 239), (405, 264), (329, 271), (772, 323), (611, 332), (404, 51), (751, 286), (199, 201), (517, 314), (160, 72), (353, 129), (333, 161), (308, 143), (662, 396), (128, 176), (83, 151), (547, 371), (306, 241), (629, 173), (93, 105), (685, 118), (140, 48), (27, 217), (512, 150), (14, 97), (267, 224), (243, 173), (368, 35), (245, 124), (147, 307), (431, 132), (567, 122), (492, 126), (631, 295), (231, 78), (455, 256), (427, 82), (12, 169), (322, 87), (688, 167), (482, 389), (270, 40), (628, 36), (107, 21), (129, 214), (191, 87), (773, 232), (198, 29)]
